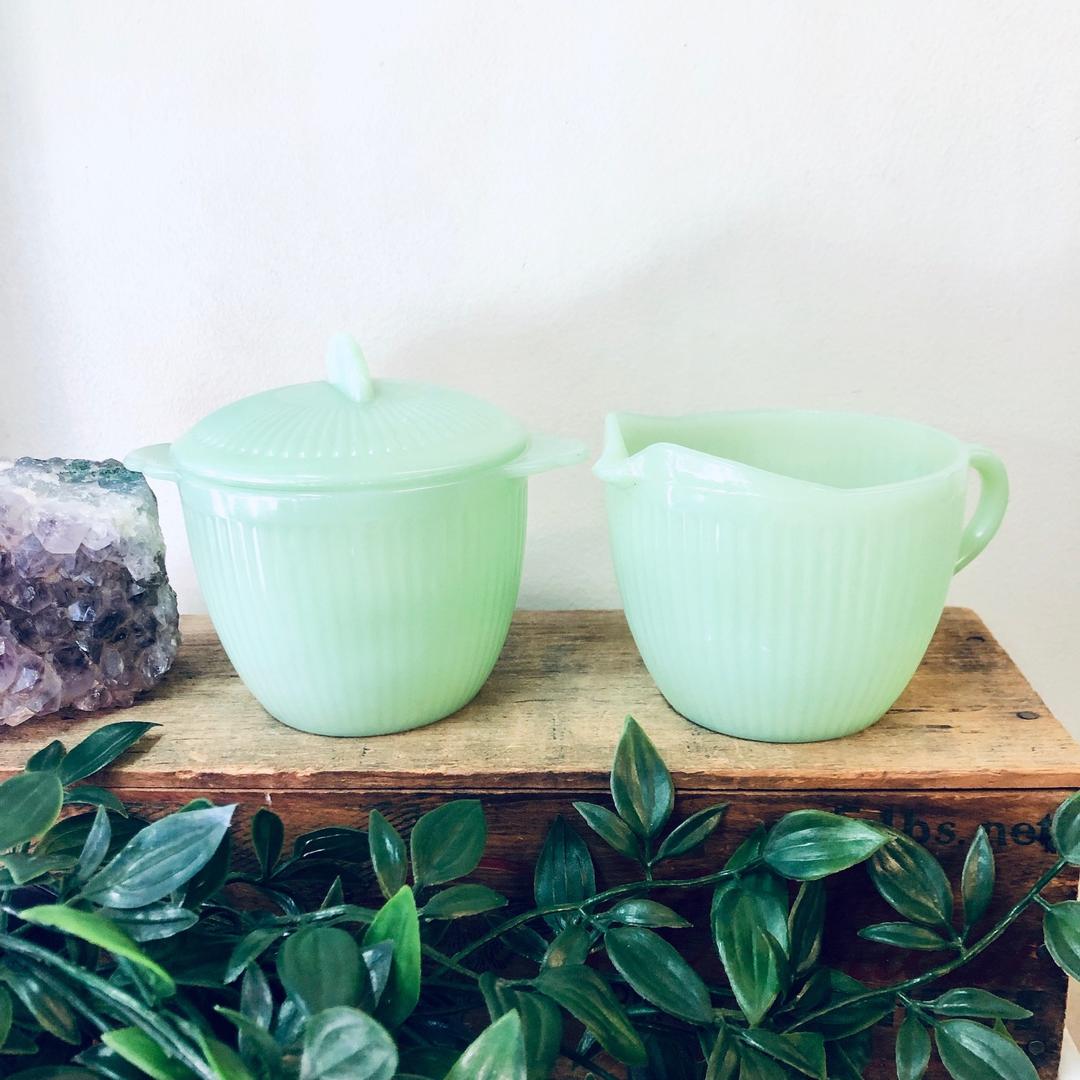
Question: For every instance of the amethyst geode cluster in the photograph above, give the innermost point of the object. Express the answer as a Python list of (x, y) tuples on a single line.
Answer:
[(87, 615)]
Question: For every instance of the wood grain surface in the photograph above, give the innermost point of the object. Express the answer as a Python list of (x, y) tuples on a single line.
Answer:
[(551, 714), (968, 743)]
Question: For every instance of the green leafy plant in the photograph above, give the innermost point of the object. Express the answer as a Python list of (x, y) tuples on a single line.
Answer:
[(134, 949)]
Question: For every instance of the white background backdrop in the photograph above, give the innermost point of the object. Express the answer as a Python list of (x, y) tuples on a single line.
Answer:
[(566, 208)]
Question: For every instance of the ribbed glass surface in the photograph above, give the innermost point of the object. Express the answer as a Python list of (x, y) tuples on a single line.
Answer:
[(312, 435), (346, 620)]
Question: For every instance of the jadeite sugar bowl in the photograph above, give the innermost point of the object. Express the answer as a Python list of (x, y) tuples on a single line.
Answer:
[(358, 542), (783, 572)]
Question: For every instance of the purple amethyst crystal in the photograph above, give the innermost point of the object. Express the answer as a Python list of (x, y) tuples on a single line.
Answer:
[(87, 615)]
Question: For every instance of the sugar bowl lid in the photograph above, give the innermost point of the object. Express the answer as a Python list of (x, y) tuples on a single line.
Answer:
[(349, 430)]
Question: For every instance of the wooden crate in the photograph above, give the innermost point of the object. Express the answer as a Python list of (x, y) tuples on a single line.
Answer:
[(969, 743)]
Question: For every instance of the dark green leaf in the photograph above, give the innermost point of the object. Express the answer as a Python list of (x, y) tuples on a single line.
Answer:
[(971, 1051), (5, 1014), (977, 879), (398, 922), (107, 1063), (379, 960), (757, 1066), (1061, 932), (802, 1051), (856, 1017), (256, 998), (447, 842), (1001, 1029), (257, 1046), (69, 834), (905, 936), (159, 859), (912, 882), (18, 1043), (571, 945), (525, 942), (691, 833), (748, 854), (248, 948), (641, 912), (23, 867), (584, 994), (749, 961), (849, 1058), (346, 1044), (496, 994), (199, 803), (658, 973), (29, 804), (912, 1049), (208, 879), (95, 848), (99, 748), (640, 782), (86, 795), (321, 853), (611, 829), (564, 871), (321, 967), (50, 1010), (462, 900), (977, 1003), (223, 1060), (673, 1055), (811, 844), (98, 931), (335, 895), (806, 926), (267, 836), (497, 1054), (332, 842), (814, 991), (1065, 829), (289, 1024), (723, 1063), (769, 894), (47, 758), (541, 1028), (426, 1062), (51, 1072), (387, 854), (155, 922)]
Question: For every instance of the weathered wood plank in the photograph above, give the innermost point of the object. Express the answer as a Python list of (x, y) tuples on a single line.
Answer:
[(551, 714), (969, 743), (1017, 966)]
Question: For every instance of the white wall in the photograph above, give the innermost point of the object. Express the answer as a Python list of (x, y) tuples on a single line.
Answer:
[(565, 208)]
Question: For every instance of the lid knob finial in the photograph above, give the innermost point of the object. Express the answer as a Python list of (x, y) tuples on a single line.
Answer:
[(347, 369)]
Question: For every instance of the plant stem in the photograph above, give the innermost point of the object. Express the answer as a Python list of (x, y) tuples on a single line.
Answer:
[(583, 906), (588, 1063), (448, 962), (1031, 896)]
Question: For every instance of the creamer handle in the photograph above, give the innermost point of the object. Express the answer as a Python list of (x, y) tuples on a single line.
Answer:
[(993, 499)]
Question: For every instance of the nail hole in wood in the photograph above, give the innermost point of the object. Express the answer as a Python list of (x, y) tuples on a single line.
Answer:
[(1027, 714)]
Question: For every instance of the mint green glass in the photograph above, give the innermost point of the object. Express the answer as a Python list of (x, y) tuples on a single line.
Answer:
[(358, 542), (783, 572)]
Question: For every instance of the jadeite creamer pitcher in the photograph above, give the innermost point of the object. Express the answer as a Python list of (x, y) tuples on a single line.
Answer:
[(783, 572), (358, 541)]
